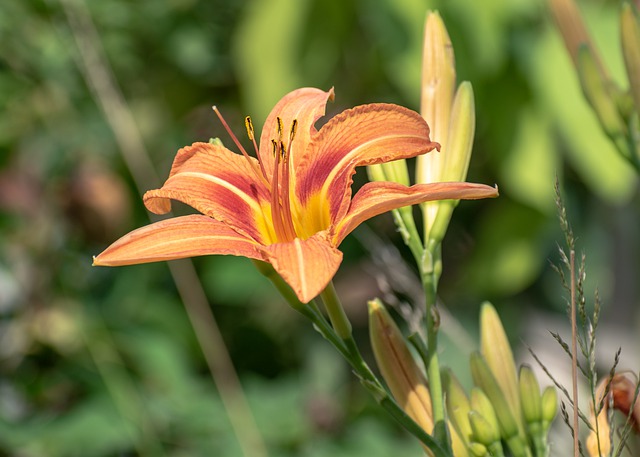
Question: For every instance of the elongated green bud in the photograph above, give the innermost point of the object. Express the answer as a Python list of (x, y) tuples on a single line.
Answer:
[(630, 38), (458, 444), (530, 395), (457, 409), (600, 94), (458, 406), (532, 411), (496, 350), (479, 450), (481, 404), (549, 406), (462, 129), (484, 432), (484, 379), (377, 172), (395, 171)]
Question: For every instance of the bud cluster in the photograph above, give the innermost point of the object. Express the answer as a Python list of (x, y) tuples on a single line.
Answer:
[(505, 410)]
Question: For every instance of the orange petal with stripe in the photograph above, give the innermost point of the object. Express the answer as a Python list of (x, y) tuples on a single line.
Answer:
[(306, 265), (379, 197), (306, 105), (177, 238), (360, 136), (220, 184)]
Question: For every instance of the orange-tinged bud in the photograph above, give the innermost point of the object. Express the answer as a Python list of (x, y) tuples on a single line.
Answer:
[(398, 367)]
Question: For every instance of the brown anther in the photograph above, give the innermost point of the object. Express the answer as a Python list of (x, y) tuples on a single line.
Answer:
[(294, 129), (280, 127), (249, 126)]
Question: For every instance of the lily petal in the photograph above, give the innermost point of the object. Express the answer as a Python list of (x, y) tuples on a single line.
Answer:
[(177, 238), (379, 197), (219, 183), (364, 135), (306, 265), (306, 105)]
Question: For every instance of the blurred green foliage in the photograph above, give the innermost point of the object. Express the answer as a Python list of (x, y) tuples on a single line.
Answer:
[(102, 362)]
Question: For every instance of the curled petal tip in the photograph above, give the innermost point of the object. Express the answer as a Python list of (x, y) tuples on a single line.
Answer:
[(332, 94)]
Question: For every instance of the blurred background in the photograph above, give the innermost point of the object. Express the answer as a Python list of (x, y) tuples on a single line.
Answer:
[(95, 99)]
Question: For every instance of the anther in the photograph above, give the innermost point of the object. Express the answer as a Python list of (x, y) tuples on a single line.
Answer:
[(260, 173), (280, 127), (274, 147), (294, 129), (249, 126), (283, 151)]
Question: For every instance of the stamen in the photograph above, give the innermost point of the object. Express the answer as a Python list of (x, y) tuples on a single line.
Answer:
[(276, 214), (280, 183), (285, 196), (249, 126), (235, 140), (280, 128), (251, 134)]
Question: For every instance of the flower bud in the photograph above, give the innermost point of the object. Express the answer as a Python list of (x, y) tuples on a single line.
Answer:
[(451, 116), (484, 431), (549, 406), (481, 405), (458, 406), (600, 95), (479, 450), (398, 367), (530, 395), (496, 351), (509, 425), (630, 38)]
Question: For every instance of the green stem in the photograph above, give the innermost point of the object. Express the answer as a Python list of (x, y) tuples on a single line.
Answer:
[(349, 350), (430, 271), (368, 378), (336, 313)]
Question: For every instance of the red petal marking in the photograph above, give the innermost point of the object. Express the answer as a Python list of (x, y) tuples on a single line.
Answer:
[(306, 265), (363, 135), (220, 184), (307, 105), (177, 238), (379, 197)]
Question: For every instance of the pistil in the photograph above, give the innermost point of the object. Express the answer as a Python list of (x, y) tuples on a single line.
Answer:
[(239, 145), (286, 195)]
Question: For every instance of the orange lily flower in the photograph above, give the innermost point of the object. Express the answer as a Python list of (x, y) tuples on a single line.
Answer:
[(292, 205)]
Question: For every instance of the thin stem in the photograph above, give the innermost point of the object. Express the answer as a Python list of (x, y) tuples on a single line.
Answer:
[(430, 272), (574, 354), (336, 313)]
